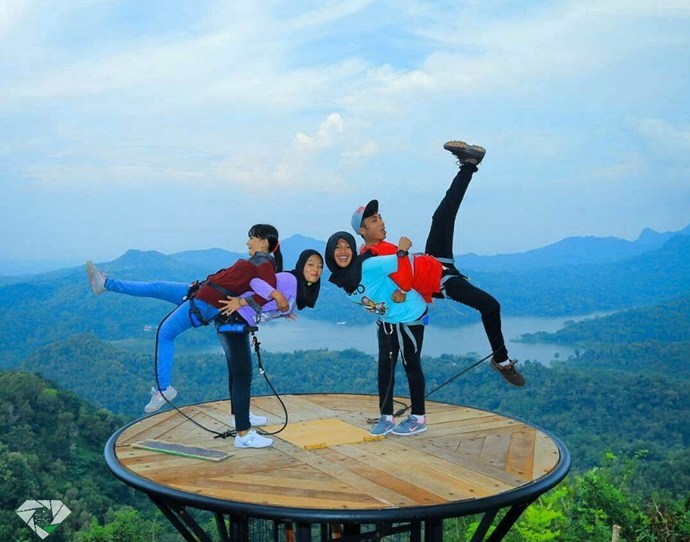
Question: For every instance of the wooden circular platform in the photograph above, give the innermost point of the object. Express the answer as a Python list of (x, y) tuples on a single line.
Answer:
[(325, 467)]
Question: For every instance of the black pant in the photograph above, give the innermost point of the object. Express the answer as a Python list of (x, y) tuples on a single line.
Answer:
[(239, 358), (439, 244), (389, 348)]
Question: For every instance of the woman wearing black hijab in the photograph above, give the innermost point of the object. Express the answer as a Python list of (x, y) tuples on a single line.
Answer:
[(400, 326), (300, 286)]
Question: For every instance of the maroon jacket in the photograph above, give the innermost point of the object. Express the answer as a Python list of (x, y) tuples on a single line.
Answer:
[(235, 279)]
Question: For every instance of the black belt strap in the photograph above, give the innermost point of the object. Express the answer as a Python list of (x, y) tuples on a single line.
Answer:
[(191, 293)]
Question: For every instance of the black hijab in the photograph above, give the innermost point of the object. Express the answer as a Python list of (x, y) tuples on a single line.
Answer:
[(307, 292), (347, 278)]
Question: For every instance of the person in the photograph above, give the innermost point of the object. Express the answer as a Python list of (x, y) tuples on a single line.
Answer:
[(400, 326), (367, 221), (300, 287), (200, 304)]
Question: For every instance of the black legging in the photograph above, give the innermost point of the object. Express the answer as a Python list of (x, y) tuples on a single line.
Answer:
[(439, 243), (389, 348), (239, 358)]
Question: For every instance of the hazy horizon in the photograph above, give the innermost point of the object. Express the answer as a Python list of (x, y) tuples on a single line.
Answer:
[(10, 268)]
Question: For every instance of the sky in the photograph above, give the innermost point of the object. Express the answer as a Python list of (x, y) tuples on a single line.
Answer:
[(175, 125)]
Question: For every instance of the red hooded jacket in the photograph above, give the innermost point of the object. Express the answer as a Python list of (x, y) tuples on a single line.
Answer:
[(425, 278)]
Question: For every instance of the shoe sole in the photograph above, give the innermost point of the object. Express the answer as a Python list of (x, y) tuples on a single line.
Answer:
[(161, 405), (382, 434), (270, 443), (499, 371), (462, 146), (410, 434), (254, 447), (473, 151), (94, 278)]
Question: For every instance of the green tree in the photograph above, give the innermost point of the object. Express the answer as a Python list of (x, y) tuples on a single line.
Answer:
[(126, 526)]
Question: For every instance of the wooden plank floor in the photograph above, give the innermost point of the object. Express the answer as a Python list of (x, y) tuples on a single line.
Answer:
[(465, 454)]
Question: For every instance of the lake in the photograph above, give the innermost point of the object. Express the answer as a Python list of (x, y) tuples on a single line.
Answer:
[(305, 334)]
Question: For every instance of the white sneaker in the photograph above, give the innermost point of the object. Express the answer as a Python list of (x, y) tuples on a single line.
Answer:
[(256, 421), (252, 440), (157, 399), (96, 278)]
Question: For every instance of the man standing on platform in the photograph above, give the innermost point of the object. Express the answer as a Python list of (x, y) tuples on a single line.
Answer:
[(368, 223)]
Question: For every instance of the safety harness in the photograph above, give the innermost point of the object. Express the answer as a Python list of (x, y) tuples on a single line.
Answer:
[(220, 320), (448, 272), (402, 330)]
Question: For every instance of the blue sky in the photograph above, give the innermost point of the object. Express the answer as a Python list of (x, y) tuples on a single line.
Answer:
[(174, 125)]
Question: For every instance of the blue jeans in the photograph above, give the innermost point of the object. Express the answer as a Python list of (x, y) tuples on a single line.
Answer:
[(181, 319)]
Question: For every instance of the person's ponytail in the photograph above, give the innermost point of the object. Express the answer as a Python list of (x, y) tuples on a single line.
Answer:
[(277, 256)]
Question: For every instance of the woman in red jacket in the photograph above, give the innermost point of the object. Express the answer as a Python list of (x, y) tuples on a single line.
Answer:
[(201, 304)]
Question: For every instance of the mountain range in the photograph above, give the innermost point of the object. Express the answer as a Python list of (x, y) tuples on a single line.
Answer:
[(573, 250), (569, 251), (36, 310)]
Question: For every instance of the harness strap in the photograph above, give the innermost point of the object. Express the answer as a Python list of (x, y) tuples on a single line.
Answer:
[(236, 328), (218, 288), (194, 311), (449, 273), (404, 328), (191, 294), (258, 309)]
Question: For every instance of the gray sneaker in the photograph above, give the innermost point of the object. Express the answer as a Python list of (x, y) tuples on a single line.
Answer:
[(382, 427), (466, 154), (410, 426), (96, 278)]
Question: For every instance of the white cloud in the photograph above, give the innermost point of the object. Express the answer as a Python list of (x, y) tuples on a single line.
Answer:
[(616, 172), (11, 14), (559, 43), (303, 163), (326, 13), (251, 98), (665, 137), (323, 137), (364, 150)]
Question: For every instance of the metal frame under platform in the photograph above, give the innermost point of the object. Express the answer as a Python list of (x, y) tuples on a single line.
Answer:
[(341, 485)]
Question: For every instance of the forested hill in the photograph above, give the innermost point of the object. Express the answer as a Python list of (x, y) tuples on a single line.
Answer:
[(51, 442), (51, 447), (666, 322), (655, 340), (625, 392), (586, 405), (48, 307), (653, 277)]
